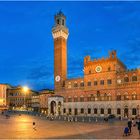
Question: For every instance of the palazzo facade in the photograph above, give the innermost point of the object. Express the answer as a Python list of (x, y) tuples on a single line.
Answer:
[(107, 86)]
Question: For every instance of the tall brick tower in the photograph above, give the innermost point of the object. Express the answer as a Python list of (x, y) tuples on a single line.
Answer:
[(60, 35)]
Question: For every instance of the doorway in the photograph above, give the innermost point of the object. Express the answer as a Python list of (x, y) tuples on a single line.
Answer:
[(53, 107), (126, 112)]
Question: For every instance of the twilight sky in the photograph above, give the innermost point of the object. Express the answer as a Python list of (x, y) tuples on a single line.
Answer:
[(26, 43)]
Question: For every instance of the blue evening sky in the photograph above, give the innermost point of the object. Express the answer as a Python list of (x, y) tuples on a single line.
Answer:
[(26, 43)]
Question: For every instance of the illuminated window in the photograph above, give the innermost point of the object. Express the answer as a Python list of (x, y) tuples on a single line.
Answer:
[(109, 97), (134, 96), (126, 97), (102, 98)]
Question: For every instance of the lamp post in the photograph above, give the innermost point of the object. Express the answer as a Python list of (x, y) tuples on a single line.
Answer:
[(25, 90)]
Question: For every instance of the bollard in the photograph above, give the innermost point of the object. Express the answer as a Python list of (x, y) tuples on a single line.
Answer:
[(64, 118), (68, 119), (75, 119), (96, 120), (89, 120), (59, 117), (83, 119), (71, 119)]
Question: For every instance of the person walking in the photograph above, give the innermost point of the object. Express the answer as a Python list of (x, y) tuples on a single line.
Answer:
[(138, 124), (34, 126), (129, 125)]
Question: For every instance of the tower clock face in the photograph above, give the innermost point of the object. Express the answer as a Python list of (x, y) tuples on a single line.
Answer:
[(57, 78), (98, 69)]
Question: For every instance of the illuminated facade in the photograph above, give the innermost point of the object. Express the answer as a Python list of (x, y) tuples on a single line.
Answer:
[(19, 99), (3, 96), (107, 86), (43, 100)]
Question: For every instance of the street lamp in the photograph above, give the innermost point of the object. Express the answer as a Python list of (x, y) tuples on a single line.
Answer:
[(25, 90)]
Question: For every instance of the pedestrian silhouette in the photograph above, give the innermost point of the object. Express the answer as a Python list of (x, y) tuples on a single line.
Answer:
[(34, 126)]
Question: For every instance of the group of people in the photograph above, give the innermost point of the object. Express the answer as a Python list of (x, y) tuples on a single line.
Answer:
[(130, 124)]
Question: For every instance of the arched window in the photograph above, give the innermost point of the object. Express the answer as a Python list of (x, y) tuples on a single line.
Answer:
[(75, 99), (126, 79), (82, 110), (69, 99), (118, 111), (75, 84), (126, 97), (109, 110), (89, 71), (134, 78), (75, 111), (98, 96), (92, 97), (102, 98), (105, 96), (89, 83), (81, 99), (89, 98), (89, 110), (58, 21), (102, 111), (109, 97), (82, 84), (118, 98), (95, 83), (64, 110), (109, 81), (134, 111), (109, 68), (63, 22), (134, 96), (95, 110), (69, 111)]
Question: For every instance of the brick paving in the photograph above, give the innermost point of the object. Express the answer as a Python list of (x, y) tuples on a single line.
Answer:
[(21, 127)]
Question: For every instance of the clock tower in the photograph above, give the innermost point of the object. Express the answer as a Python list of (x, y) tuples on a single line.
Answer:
[(60, 35)]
